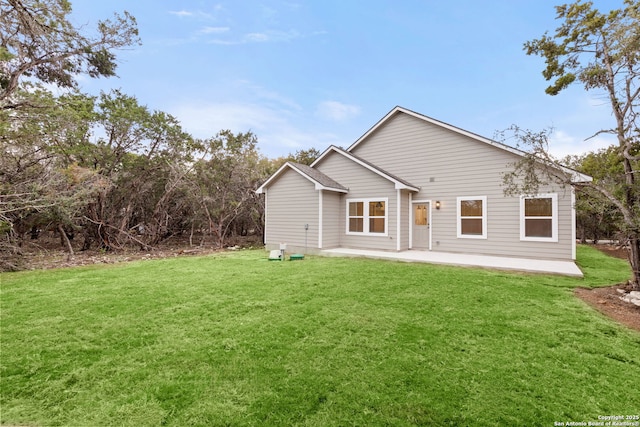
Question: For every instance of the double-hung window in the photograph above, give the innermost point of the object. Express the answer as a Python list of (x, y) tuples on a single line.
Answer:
[(367, 216), (539, 218), (472, 217)]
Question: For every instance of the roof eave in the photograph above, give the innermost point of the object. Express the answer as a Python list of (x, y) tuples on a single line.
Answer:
[(337, 190), (401, 186), (261, 189), (444, 125), (577, 177), (398, 184), (317, 185)]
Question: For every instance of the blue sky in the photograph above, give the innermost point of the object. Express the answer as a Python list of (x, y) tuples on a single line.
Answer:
[(303, 74)]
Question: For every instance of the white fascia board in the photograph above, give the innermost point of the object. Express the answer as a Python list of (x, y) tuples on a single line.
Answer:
[(322, 187), (323, 155), (437, 123), (316, 184), (398, 185), (262, 188), (575, 175)]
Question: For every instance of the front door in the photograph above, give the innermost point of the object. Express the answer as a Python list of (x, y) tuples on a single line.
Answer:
[(420, 226)]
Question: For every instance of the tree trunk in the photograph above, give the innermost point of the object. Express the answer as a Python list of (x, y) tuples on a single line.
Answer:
[(67, 242), (634, 260)]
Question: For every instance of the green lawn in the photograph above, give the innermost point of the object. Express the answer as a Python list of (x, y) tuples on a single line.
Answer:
[(234, 339)]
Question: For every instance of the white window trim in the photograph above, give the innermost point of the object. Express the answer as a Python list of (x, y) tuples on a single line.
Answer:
[(554, 218), (366, 217), (484, 218)]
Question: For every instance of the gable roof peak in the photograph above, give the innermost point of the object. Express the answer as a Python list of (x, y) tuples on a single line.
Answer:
[(399, 182), (577, 176), (399, 109), (319, 179)]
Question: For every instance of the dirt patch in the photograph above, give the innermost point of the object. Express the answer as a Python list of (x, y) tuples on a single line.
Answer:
[(613, 250), (607, 301), (60, 259), (47, 252)]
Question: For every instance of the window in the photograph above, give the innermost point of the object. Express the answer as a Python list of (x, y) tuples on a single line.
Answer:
[(472, 217), (376, 217), (367, 216), (420, 214), (539, 218), (356, 217)]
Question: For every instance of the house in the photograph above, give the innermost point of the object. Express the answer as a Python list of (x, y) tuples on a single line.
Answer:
[(415, 183)]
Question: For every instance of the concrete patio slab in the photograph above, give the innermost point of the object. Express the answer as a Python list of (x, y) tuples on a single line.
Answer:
[(565, 268)]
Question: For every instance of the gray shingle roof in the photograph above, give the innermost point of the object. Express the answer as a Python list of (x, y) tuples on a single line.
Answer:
[(371, 165), (318, 176)]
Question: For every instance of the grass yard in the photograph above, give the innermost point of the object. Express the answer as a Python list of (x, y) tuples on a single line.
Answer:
[(234, 339)]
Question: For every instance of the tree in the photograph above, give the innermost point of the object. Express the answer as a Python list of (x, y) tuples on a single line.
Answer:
[(40, 187), (226, 181), (42, 136), (306, 157), (38, 42), (597, 217), (602, 52), (146, 156), (107, 166)]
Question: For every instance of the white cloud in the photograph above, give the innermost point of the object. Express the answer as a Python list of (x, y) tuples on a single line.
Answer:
[(277, 134), (270, 36), (223, 42), (189, 14), (181, 13), (273, 36), (214, 30), (337, 111), (256, 37), (269, 96), (561, 143)]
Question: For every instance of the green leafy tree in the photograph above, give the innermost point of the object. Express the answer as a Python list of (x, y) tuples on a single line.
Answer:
[(42, 136), (39, 43), (41, 184), (225, 183), (306, 157), (601, 51), (596, 217), (145, 155)]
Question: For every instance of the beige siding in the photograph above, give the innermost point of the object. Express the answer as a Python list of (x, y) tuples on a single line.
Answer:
[(362, 183), (331, 230), (291, 202), (447, 165)]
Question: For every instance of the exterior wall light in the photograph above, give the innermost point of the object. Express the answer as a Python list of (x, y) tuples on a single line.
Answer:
[(438, 204)]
